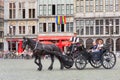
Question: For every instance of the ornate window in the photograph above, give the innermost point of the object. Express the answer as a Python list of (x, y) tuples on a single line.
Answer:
[(109, 5), (98, 5), (32, 10), (12, 10), (21, 9)]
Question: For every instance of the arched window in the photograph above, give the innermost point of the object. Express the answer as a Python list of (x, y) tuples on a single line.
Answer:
[(109, 40), (89, 43), (118, 44)]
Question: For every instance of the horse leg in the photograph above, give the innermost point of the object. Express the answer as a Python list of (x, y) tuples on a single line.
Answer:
[(40, 65), (61, 65), (52, 61), (36, 61)]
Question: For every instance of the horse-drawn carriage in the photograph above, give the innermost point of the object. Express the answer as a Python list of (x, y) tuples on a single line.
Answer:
[(78, 55)]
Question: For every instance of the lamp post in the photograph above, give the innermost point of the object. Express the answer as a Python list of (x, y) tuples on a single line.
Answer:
[(11, 38)]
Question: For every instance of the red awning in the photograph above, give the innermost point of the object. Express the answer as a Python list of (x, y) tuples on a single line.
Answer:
[(13, 39), (54, 37), (63, 43), (46, 42)]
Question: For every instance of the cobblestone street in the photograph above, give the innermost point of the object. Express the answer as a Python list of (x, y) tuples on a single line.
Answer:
[(21, 69)]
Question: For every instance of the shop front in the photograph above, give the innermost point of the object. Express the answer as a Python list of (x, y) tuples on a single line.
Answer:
[(14, 45)]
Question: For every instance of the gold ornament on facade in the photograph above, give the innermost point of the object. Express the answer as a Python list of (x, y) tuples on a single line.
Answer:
[(22, 23), (12, 23)]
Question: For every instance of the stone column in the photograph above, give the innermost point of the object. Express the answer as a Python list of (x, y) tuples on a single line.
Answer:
[(6, 28), (94, 27), (36, 8), (94, 6), (26, 28), (56, 29), (46, 21), (6, 9), (26, 10), (114, 5), (94, 40), (104, 32), (103, 5), (84, 42), (17, 46), (114, 26), (17, 10), (38, 28), (65, 8), (74, 27), (114, 45), (84, 27), (104, 40), (17, 28), (5, 45)]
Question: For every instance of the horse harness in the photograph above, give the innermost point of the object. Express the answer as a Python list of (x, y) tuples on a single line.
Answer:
[(36, 45)]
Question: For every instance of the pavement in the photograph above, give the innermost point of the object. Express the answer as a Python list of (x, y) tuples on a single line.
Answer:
[(22, 69)]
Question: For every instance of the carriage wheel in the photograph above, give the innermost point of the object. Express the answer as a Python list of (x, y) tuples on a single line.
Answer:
[(70, 62), (95, 63), (108, 60), (80, 62), (67, 67)]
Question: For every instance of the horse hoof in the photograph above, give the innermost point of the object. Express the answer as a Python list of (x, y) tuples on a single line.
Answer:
[(62, 68), (50, 68), (39, 69)]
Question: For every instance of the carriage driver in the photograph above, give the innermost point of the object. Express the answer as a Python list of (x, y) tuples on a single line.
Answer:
[(74, 39)]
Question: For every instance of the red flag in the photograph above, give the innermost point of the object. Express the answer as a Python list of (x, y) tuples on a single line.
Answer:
[(64, 19)]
